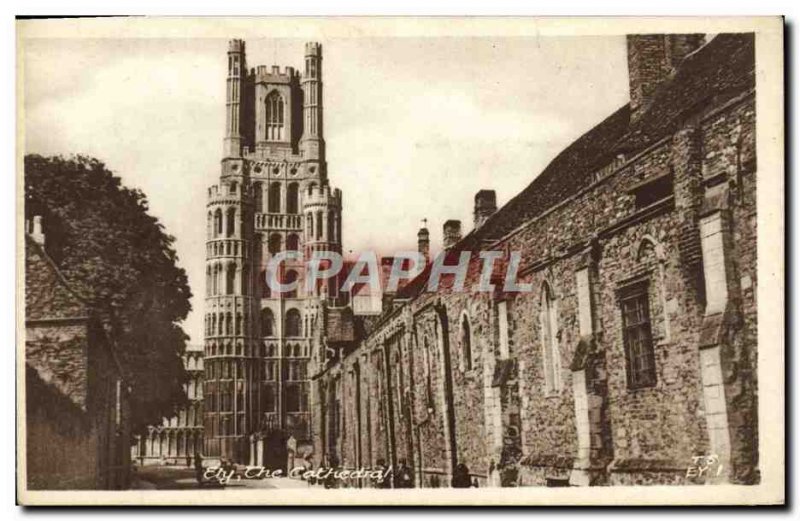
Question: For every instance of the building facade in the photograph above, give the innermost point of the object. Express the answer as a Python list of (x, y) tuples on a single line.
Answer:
[(177, 439), (76, 396), (272, 197), (632, 356)]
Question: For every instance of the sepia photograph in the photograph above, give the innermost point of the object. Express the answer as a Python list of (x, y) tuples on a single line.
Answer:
[(315, 261)]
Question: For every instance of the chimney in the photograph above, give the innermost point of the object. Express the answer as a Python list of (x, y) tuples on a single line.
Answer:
[(424, 243), (485, 206), (35, 230), (452, 233), (652, 59)]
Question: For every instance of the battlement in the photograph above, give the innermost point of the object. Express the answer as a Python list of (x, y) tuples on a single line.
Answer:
[(225, 193), (314, 49), (324, 195), (236, 46), (274, 74)]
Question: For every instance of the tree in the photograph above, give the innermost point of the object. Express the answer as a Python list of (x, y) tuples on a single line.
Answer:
[(121, 261)]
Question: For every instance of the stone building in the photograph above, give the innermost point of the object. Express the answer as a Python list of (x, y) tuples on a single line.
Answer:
[(76, 397), (273, 196), (177, 439), (632, 356)]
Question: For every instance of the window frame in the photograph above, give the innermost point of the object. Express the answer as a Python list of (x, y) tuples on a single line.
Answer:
[(645, 376)]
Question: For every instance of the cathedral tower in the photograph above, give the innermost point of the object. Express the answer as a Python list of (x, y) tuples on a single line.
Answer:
[(273, 195)]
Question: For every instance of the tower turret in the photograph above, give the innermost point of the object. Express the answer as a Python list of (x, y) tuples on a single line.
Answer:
[(237, 71), (312, 142)]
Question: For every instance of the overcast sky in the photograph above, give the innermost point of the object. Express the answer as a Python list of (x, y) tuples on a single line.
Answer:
[(414, 126)]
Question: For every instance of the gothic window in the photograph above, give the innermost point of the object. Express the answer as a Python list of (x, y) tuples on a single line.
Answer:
[(230, 223), (551, 358), (292, 199), (310, 225), (637, 336), (293, 323), (228, 324), (293, 242), (267, 322), (210, 226), (233, 187), (275, 130), (466, 343), (238, 330), (331, 226), (319, 225), (274, 203)]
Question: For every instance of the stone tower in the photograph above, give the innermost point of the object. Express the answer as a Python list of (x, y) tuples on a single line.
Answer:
[(272, 196)]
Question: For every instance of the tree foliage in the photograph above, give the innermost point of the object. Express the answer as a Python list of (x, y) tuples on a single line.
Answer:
[(120, 259)]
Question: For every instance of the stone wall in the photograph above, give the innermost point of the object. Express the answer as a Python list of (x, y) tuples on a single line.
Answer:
[(637, 435)]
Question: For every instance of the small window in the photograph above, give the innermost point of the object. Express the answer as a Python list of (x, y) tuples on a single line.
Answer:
[(637, 336), (651, 191)]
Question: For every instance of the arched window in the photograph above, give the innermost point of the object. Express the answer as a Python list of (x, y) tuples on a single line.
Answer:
[(551, 357), (218, 223), (319, 225), (230, 279), (233, 187), (311, 188), (293, 242), (466, 343), (210, 226), (230, 224), (274, 205), (292, 199), (274, 243), (293, 323), (310, 225), (274, 117), (267, 322)]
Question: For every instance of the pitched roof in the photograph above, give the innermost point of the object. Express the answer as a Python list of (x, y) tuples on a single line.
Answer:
[(718, 71)]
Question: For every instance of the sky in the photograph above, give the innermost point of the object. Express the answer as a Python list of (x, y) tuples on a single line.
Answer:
[(413, 126)]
